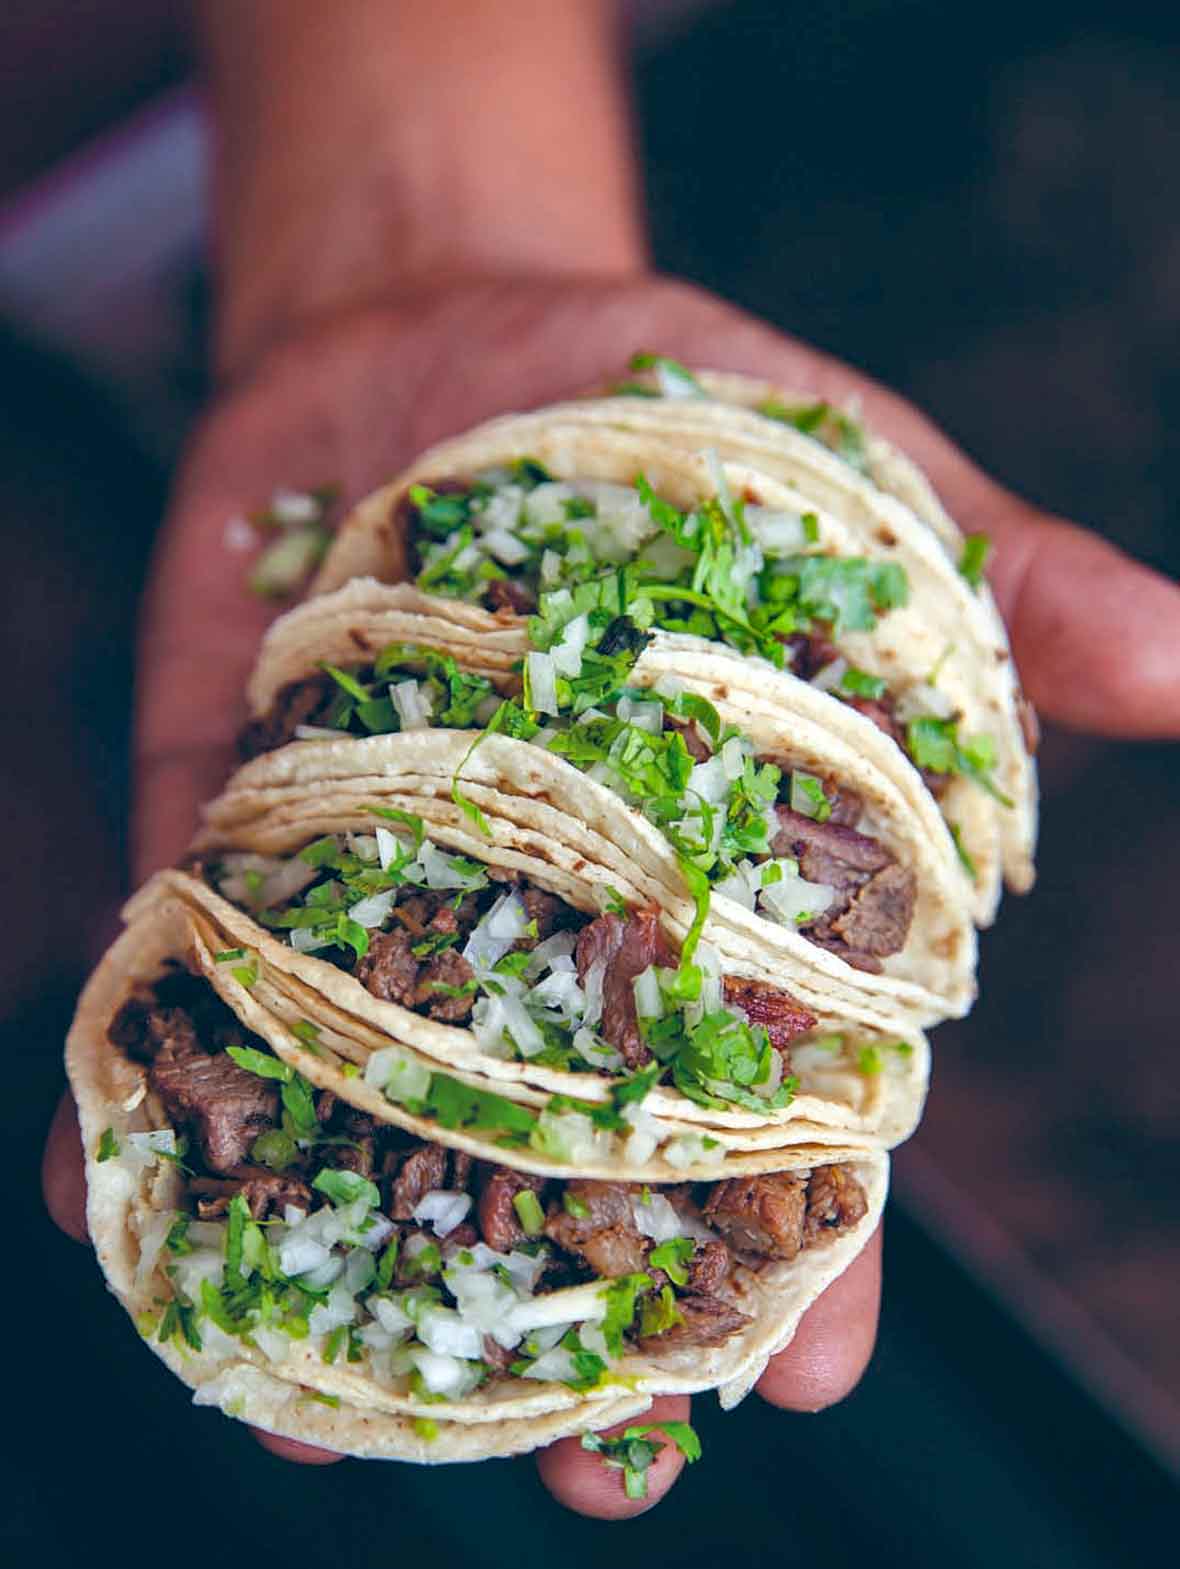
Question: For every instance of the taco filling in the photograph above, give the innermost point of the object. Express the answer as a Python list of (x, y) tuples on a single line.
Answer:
[(778, 839), (301, 1219), (731, 571)]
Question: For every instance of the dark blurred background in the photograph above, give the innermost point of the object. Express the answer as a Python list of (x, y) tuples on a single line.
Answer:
[(980, 207)]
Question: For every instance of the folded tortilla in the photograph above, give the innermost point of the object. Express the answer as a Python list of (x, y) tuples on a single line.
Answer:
[(227, 1347), (947, 630)]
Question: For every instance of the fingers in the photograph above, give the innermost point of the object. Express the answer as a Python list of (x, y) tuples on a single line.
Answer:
[(292, 1449), (834, 1341), (582, 1482), (63, 1182), (1096, 635)]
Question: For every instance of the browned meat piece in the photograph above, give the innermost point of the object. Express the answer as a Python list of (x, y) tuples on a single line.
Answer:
[(809, 653), (496, 1356), (426, 913), (422, 1171), (708, 1267), (762, 1215), (706, 1321), (503, 594), (325, 1106), (389, 970), (549, 912), (129, 1028), (497, 1218), (226, 1107), (828, 852), (463, 1236), (306, 702), (878, 920), (448, 970), (880, 711), (461, 1165), (628, 944), (846, 805), (785, 1018), (698, 748), (602, 1230), (357, 1156), (835, 1201), (263, 1191)]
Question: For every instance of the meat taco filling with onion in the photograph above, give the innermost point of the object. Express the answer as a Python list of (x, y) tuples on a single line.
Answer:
[(536, 980), (296, 1219), (777, 838), (730, 570)]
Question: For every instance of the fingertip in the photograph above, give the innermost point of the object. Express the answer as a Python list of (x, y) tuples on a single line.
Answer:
[(834, 1342), (581, 1481), (63, 1179), (291, 1449)]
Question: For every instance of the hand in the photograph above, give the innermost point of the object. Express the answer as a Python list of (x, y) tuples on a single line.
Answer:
[(351, 400)]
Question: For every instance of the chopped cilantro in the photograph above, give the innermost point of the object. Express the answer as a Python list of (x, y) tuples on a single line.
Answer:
[(808, 798), (426, 1428), (961, 850), (859, 683), (345, 1187), (977, 549), (260, 1063), (671, 1257), (529, 1212), (108, 1145), (621, 1297)]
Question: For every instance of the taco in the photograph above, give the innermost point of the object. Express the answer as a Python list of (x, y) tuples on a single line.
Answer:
[(319, 1261), (717, 524), (746, 774)]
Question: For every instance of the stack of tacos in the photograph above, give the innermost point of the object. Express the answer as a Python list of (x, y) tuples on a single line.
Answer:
[(526, 1030)]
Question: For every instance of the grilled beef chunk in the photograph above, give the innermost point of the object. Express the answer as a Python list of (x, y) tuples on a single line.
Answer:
[(442, 976), (429, 912), (497, 1357), (874, 904), (263, 1191), (602, 1227), (708, 1267), (497, 1217), (389, 970), (809, 653), (503, 594), (761, 1215), (627, 945), (226, 1107), (762, 1003), (421, 1172), (878, 919), (548, 912), (835, 1201), (705, 1321), (306, 702)]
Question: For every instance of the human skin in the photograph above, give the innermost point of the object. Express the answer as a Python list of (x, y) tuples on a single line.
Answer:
[(363, 318)]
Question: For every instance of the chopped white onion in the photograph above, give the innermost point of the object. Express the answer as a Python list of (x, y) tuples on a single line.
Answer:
[(829, 678), (371, 912), (413, 704), (560, 996), (594, 1050), (649, 999), (295, 506), (494, 935), (502, 509), (440, 871), (669, 686), (792, 900), (689, 1149), (442, 1210), (656, 1218), (444, 1331), (593, 988), (304, 940), (545, 503), (569, 1136), (445, 1375), (710, 780), (397, 1074), (924, 701), (542, 676), (566, 653), (742, 884), (506, 547), (644, 715), (778, 533), (547, 953), (338, 1309), (773, 1079)]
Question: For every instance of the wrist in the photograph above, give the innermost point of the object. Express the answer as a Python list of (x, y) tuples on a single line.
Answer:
[(368, 148)]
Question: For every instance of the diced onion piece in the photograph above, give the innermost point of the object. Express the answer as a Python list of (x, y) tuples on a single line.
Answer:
[(742, 884), (711, 780), (778, 533), (566, 653), (570, 1306), (389, 847), (649, 999), (282, 565), (412, 701), (440, 870), (569, 1136), (505, 546), (442, 1210), (445, 1375), (370, 912), (593, 987), (525, 1033), (643, 714), (317, 733), (644, 1138), (669, 686), (773, 1079), (656, 1218), (924, 701), (560, 946), (830, 677), (502, 509), (594, 1050), (545, 503), (444, 1331), (295, 506), (542, 677), (397, 1074), (792, 900), (304, 940), (689, 1149), (504, 924)]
